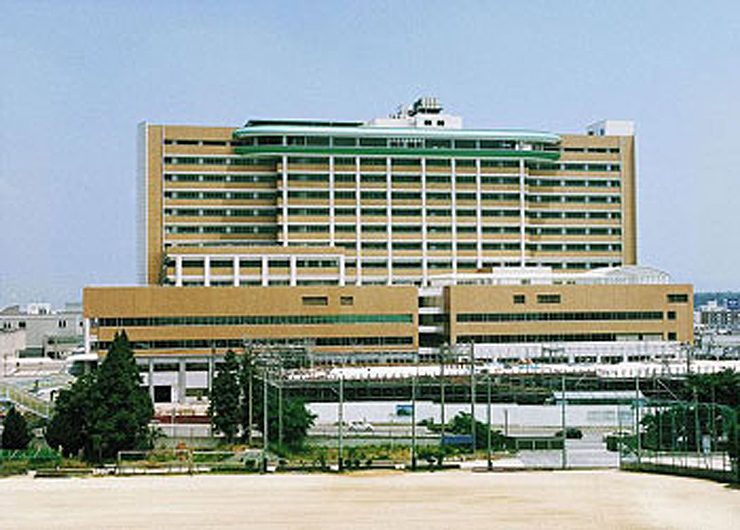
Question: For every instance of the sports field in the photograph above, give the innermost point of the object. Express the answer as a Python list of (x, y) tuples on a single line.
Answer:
[(572, 499)]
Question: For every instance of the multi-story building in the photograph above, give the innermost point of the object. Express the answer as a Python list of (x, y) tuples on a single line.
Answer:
[(391, 201), (380, 241), (48, 333)]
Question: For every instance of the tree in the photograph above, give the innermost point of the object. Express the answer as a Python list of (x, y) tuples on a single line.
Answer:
[(120, 407), (296, 418), (235, 382), (104, 412), (68, 426), (225, 398), (16, 434), (461, 424)]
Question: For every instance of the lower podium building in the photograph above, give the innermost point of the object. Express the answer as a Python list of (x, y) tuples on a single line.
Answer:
[(508, 316)]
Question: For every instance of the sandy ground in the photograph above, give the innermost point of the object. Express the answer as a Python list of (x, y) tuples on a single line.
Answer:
[(450, 500)]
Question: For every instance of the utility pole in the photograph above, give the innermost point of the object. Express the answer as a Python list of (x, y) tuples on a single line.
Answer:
[(563, 422), (413, 414), (442, 360), (619, 437), (250, 397), (472, 392), (265, 422), (637, 418), (488, 421), (280, 403), (340, 456)]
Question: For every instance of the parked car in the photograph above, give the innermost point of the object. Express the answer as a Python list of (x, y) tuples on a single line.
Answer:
[(571, 433)]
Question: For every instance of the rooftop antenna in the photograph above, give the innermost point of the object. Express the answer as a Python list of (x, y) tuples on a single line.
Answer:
[(400, 111)]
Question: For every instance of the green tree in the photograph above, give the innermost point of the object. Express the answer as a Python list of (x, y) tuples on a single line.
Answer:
[(67, 428), (225, 405), (16, 434), (461, 424), (120, 408), (296, 418), (237, 380), (105, 412)]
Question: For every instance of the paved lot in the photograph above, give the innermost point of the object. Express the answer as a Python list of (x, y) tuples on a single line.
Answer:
[(572, 499)]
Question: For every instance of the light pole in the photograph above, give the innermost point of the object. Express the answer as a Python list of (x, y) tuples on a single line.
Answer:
[(563, 422), (637, 418), (472, 393), (265, 422), (340, 432), (488, 421), (442, 360), (413, 414)]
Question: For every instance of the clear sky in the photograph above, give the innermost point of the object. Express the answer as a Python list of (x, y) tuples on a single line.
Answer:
[(77, 76)]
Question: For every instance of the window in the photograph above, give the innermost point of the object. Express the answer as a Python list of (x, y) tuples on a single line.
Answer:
[(162, 394), (344, 142), (315, 300), (520, 299), (671, 335), (678, 298), (166, 367), (671, 315), (374, 142), (548, 298), (347, 300)]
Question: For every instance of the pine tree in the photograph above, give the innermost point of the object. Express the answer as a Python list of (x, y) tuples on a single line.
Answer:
[(120, 408), (225, 398), (15, 431), (106, 411)]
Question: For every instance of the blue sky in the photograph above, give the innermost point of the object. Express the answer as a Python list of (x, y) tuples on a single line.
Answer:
[(77, 77)]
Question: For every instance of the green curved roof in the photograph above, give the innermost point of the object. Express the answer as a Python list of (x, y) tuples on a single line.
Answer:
[(398, 132)]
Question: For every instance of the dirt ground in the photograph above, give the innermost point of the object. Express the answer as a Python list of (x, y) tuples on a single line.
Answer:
[(389, 500)]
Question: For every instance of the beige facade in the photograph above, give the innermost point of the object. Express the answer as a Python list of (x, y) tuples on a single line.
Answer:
[(164, 321), (569, 313), (402, 204)]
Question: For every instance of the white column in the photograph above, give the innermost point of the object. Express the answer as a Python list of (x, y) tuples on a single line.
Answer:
[(178, 271), (332, 217), (293, 271), (424, 263), (342, 269), (265, 272), (453, 202), (237, 272), (285, 200), (522, 211), (389, 218), (207, 271), (478, 214), (358, 222), (86, 331)]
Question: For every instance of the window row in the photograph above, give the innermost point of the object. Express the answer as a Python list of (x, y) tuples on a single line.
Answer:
[(207, 344), (220, 161), (574, 183), (572, 231), (254, 320), (590, 199), (383, 142), (218, 177), (220, 229), (574, 247), (221, 195), (559, 317), (219, 212), (573, 215)]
